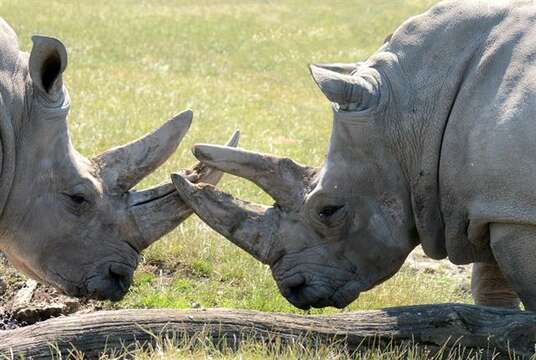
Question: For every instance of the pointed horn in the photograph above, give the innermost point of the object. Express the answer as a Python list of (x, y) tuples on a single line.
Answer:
[(123, 167), (159, 210), (201, 172), (346, 90), (156, 212), (249, 226), (283, 179)]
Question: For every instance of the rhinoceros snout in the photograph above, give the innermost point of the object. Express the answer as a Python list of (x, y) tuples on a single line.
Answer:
[(305, 297), (112, 283)]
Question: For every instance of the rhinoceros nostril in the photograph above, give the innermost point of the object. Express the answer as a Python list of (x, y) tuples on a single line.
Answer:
[(295, 290), (120, 278), (294, 293)]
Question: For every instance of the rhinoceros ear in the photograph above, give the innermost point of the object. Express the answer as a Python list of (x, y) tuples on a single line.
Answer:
[(341, 68), (48, 60), (350, 92)]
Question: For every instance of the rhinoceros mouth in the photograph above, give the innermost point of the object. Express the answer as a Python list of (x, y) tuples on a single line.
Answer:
[(304, 296), (64, 285), (108, 280), (350, 291)]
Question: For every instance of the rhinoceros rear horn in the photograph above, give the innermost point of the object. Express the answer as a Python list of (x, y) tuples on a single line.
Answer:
[(350, 91), (121, 168), (284, 180), (159, 210), (48, 61)]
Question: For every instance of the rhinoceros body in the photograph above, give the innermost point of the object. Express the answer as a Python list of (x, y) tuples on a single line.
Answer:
[(433, 143), (66, 220)]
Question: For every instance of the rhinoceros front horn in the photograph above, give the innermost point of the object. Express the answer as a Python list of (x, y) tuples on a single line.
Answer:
[(251, 227), (121, 168), (284, 180)]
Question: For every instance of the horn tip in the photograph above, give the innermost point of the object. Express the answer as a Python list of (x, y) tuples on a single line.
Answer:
[(209, 152), (181, 122), (181, 183), (202, 151), (235, 138), (186, 116)]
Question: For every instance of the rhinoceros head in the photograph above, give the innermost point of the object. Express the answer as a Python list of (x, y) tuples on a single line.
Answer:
[(333, 232), (74, 222)]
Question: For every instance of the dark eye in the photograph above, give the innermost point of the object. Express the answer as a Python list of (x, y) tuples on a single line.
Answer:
[(78, 199), (328, 211)]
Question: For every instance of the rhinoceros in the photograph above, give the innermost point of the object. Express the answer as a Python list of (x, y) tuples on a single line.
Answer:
[(65, 220), (433, 143)]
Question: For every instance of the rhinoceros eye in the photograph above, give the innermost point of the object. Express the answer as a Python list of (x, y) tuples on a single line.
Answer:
[(76, 203), (78, 199), (328, 211)]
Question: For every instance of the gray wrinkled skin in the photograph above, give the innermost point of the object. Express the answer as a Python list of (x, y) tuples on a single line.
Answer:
[(433, 142), (66, 220)]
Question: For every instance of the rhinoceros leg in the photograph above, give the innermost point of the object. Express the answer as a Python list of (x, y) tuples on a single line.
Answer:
[(490, 288), (514, 248)]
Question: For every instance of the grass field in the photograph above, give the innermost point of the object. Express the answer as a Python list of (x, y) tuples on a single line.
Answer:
[(237, 64)]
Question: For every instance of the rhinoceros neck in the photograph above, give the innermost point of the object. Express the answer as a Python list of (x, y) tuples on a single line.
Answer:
[(7, 155), (425, 64)]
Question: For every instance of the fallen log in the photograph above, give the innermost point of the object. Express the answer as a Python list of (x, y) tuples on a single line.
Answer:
[(431, 325)]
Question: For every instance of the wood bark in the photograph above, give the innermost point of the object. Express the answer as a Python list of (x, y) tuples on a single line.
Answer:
[(431, 325)]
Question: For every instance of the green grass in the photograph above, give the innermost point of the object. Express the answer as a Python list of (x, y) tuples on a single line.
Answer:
[(237, 64)]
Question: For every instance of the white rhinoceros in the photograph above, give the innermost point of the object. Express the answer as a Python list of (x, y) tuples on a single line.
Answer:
[(66, 220), (433, 143)]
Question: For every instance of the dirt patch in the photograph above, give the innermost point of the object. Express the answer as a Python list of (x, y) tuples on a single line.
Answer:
[(25, 302)]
